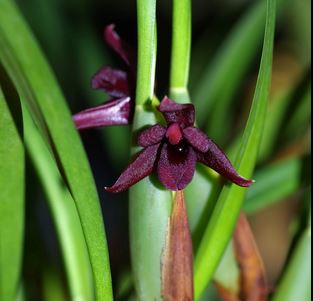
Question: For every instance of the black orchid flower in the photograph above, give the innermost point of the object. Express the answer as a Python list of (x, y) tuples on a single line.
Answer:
[(118, 84), (173, 151)]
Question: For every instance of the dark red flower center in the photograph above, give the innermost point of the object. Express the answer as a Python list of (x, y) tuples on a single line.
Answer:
[(178, 153), (174, 134)]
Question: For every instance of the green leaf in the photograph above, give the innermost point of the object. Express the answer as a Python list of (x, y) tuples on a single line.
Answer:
[(20, 296), (288, 117), (226, 211), (11, 199), (53, 288), (227, 273), (36, 85), (125, 285), (47, 22), (296, 281), (297, 21), (64, 214), (300, 120), (289, 114), (276, 113), (272, 184)]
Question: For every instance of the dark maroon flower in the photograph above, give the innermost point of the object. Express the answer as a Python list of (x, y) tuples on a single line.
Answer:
[(173, 151), (118, 84)]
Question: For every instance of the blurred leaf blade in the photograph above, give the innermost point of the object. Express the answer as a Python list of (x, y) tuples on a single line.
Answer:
[(296, 281), (52, 286), (289, 112), (301, 118), (273, 183), (233, 58), (64, 214), (225, 214), (227, 274), (200, 197), (11, 201), (276, 113), (36, 84)]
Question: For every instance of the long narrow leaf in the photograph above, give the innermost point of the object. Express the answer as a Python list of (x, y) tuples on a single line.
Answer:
[(11, 200), (276, 113), (225, 214), (64, 214), (289, 113), (301, 117), (52, 286), (296, 282), (36, 84), (227, 275)]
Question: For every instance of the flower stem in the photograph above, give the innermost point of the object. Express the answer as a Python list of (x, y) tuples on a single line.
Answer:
[(149, 206), (146, 50), (181, 42)]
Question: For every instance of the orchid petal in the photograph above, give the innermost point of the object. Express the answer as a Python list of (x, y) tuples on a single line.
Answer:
[(217, 160), (114, 112), (184, 114), (119, 46), (114, 82), (176, 166), (197, 139), (151, 135), (137, 170)]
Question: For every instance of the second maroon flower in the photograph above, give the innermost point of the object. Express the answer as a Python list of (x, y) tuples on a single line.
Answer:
[(118, 84)]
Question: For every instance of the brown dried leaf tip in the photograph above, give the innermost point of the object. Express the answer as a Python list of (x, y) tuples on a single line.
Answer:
[(253, 279), (177, 268)]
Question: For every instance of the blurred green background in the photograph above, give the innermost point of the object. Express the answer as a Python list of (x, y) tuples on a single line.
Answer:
[(71, 35)]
